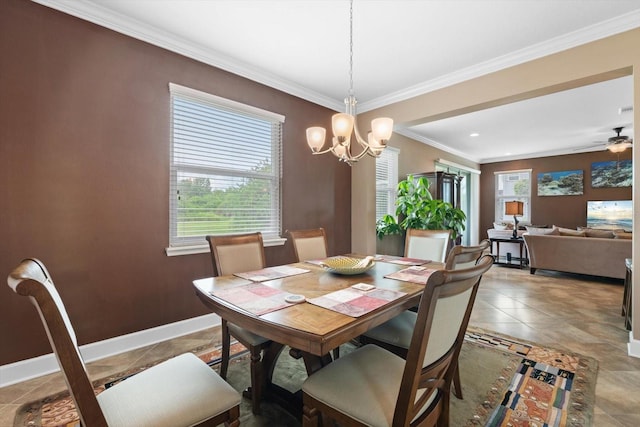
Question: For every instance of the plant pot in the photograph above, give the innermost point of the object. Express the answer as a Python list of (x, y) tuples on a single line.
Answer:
[(390, 245)]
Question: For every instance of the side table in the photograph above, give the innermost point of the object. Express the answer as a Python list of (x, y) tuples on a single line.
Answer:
[(524, 260)]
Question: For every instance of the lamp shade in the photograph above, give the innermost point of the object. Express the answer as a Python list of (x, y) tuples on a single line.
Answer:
[(315, 138), (382, 128), (514, 208), (342, 124), (618, 147)]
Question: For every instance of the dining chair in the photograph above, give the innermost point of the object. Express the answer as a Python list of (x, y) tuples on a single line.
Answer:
[(235, 254), (465, 256), (372, 386), (181, 391), (395, 334), (430, 245), (309, 244)]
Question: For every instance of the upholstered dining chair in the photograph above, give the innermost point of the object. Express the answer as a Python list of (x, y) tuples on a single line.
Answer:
[(309, 244), (372, 386), (465, 256), (395, 334), (430, 245), (182, 391), (235, 254)]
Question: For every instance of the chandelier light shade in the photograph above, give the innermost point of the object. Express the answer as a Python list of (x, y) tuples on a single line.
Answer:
[(345, 128)]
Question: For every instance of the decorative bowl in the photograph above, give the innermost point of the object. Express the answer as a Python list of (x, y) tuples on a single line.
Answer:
[(347, 265)]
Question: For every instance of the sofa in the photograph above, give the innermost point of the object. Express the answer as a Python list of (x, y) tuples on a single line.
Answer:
[(596, 253)]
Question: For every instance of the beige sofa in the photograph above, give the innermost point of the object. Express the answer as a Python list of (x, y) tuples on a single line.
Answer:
[(583, 255)]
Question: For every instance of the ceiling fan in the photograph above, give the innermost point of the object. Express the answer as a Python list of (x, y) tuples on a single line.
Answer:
[(615, 144), (619, 143)]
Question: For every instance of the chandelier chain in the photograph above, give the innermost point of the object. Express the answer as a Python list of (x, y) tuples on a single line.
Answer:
[(351, 49)]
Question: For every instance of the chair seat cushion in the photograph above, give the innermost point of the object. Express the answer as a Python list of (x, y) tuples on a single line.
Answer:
[(246, 337), (363, 384), (396, 331), (181, 391)]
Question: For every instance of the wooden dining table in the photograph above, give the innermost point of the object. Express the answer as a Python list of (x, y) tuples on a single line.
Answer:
[(311, 331)]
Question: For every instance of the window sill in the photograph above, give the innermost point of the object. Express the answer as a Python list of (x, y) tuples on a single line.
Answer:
[(203, 249)]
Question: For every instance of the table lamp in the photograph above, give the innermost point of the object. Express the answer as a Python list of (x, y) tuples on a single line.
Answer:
[(514, 208)]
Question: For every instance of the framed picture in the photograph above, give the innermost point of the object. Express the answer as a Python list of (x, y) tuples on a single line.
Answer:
[(611, 174), (564, 183)]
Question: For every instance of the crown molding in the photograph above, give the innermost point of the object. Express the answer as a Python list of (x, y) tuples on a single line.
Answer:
[(123, 24), (97, 14), (420, 138), (589, 34)]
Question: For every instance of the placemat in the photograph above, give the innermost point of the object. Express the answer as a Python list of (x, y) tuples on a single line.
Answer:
[(414, 274), (255, 298), (271, 273), (401, 260), (354, 302)]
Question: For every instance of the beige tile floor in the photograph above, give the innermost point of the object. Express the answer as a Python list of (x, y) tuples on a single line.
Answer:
[(563, 311)]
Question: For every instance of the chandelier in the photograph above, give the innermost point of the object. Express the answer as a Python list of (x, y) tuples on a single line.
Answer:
[(344, 124)]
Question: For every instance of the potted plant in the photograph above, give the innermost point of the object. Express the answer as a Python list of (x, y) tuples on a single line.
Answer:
[(416, 208)]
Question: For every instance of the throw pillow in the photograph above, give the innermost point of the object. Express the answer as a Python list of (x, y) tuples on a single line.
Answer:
[(543, 231), (570, 232), (497, 226), (594, 232), (622, 235)]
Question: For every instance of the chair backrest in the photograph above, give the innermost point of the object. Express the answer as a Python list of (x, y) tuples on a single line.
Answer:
[(442, 319), (427, 244), (309, 244), (465, 256), (236, 253), (31, 279)]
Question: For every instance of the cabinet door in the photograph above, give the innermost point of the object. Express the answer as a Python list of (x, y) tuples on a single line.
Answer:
[(444, 186)]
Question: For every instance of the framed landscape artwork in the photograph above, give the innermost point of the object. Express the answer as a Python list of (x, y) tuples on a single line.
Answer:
[(564, 183), (611, 174), (610, 214)]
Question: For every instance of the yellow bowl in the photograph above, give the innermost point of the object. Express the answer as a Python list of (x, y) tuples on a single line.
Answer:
[(347, 265)]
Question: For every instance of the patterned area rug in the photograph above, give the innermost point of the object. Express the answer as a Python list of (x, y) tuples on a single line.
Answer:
[(540, 386), (505, 381)]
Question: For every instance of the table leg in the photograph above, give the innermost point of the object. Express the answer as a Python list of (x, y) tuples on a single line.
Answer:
[(521, 259), (289, 401)]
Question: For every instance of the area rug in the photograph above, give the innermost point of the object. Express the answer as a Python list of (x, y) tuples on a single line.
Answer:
[(506, 381)]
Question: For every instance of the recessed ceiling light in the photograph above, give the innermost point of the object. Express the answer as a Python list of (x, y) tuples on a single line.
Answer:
[(474, 134)]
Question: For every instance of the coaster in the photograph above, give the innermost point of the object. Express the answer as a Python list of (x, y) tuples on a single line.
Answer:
[(363, 287), (293, 298)]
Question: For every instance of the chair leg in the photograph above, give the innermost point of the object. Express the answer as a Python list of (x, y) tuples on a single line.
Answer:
[(226, 344), (309, 417), (256, 379), (457, 386)]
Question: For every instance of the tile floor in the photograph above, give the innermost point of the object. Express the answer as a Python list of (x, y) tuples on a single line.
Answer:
[(579, 314)]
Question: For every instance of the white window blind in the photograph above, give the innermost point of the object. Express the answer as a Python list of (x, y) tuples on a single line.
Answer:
[(386, 182), (225, 168)]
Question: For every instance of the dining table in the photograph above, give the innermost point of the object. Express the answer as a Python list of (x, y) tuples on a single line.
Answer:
[(256, 301)]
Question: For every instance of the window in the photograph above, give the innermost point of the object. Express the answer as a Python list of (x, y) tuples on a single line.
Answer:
[(225, 168), (386, 182), (510, 186)]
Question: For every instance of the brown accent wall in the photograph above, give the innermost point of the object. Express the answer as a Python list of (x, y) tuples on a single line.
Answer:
[(84, 175), (563, 211)]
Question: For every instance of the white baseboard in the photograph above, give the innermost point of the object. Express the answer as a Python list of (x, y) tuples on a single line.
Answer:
[(31, 368), (633, 348)]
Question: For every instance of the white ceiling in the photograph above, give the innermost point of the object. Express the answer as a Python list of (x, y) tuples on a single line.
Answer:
[(402, 48)]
